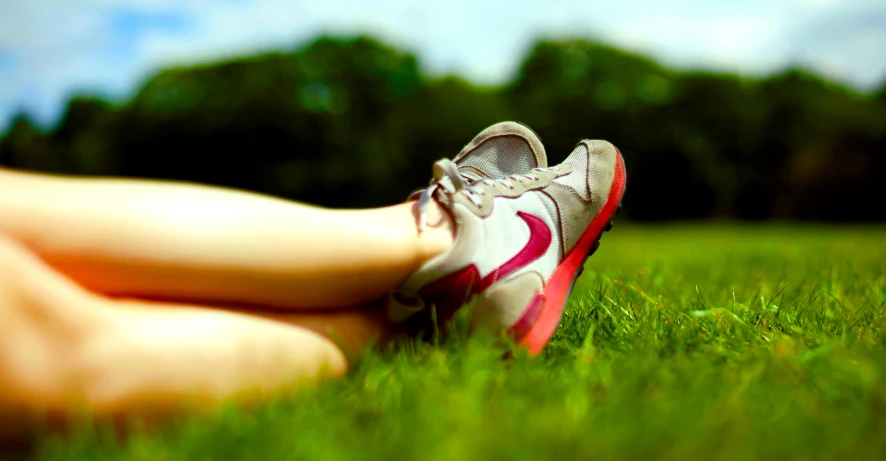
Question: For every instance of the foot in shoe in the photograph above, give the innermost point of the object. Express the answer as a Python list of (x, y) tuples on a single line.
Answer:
[(521, 240)]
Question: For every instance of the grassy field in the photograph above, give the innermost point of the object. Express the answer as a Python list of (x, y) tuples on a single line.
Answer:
[(702, 342)]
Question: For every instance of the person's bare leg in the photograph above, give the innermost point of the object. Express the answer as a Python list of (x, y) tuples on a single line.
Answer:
[(65, 350), (184, 241)]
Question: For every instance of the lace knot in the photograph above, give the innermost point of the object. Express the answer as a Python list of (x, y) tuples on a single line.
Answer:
[(448, 180)]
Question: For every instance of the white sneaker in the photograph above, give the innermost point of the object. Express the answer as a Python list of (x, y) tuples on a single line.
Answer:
[(520, 242)]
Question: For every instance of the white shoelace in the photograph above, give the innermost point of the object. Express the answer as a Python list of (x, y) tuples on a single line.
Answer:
[(448, 179)]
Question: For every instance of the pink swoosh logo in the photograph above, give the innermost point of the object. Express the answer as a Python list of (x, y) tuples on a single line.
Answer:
[(456, 288), (539, 241)]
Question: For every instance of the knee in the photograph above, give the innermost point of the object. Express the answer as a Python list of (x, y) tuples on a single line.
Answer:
[(19, 267), (14, 268), (29, 285), (43, 373), (44, 326), (12, 256)]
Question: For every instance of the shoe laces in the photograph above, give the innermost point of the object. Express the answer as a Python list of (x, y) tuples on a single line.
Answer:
[(450, 181)]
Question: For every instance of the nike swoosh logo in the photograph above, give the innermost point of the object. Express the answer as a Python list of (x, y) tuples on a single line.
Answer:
[(458, 287), (539, 240)]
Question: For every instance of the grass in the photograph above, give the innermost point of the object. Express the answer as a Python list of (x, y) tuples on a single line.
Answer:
[(701, 342)]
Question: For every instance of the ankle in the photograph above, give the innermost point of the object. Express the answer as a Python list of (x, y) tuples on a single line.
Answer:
[(438, 234)]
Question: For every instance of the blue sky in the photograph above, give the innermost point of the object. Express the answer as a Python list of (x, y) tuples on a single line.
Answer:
[(50, 49)]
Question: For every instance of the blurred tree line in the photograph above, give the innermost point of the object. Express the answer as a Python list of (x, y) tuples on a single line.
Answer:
[(352, 122)]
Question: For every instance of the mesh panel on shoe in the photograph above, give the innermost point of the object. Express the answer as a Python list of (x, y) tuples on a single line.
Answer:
[(578, 179), (501, 156)]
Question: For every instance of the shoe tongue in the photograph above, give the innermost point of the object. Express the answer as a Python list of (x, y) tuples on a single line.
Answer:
[(501, 150)]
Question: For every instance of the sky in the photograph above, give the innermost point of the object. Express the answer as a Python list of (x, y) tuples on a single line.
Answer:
[(52, 49)]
